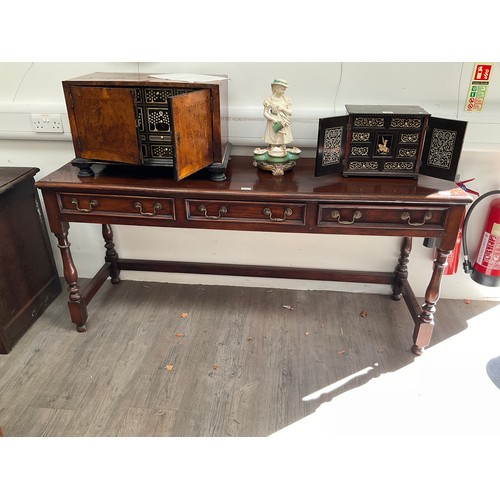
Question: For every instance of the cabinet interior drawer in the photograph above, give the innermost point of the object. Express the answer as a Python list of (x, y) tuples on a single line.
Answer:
[(126, 206), (248, 211), (368, 215)]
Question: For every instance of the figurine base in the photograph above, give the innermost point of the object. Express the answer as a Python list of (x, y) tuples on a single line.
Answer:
[(277, 165)]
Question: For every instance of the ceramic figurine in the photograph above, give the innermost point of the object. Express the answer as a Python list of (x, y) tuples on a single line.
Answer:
[(277, 157)]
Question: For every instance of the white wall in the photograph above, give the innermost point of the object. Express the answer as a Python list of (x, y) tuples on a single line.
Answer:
[(317, 90)]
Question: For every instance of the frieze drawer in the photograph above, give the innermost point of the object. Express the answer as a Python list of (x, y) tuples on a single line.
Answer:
[(369, 215), (121, 206), (283, 213)]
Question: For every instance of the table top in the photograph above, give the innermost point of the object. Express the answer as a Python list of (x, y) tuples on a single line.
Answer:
[(10, 176), (245, 180)]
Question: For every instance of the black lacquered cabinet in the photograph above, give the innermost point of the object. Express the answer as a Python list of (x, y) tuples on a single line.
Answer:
[(389, 141)]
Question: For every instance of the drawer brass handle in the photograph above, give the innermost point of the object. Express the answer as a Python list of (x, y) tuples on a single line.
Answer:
[(93, 204), (156, 206), (355, 217), (204, 211), (407, 217), (286, 213)]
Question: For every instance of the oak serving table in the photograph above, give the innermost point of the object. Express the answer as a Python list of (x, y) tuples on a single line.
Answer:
[(252, 200)]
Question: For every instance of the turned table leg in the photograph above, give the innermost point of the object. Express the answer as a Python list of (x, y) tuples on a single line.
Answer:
[(401, 271), (425, 322), (76, 303), (111, 255)]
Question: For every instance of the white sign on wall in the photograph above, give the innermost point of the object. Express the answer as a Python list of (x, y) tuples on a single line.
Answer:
[(479, 86)]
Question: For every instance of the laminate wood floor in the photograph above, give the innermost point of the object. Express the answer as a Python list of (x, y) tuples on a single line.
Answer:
[(193, 360)]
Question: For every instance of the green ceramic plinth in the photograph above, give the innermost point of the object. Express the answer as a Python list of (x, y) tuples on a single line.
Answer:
[(277, 165)]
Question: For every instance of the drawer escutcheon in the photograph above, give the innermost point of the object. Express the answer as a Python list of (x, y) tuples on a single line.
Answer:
[(93, 204), (355, 217), (286, 213), (407, 217), (156, 206), (204, 211)]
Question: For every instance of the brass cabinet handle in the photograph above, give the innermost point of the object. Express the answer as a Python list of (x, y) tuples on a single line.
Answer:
[(93, 204), (156, 206), (204, 211), (286, 213), (407, 217), (355, 217)]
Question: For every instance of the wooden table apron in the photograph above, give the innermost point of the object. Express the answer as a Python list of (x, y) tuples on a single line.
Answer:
[(254, 200)]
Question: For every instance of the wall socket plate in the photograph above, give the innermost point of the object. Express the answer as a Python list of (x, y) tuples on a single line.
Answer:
[(48, 122)]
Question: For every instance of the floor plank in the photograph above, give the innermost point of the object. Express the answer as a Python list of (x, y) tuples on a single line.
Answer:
[(241, 362)]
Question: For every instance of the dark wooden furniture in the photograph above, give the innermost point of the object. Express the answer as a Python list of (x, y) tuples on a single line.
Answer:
[(140, 119), (29, 281), (389, 141), (253, 200)]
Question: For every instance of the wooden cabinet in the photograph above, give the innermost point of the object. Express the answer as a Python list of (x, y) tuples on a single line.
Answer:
[(389, 141), (147, 121), (28, 276)]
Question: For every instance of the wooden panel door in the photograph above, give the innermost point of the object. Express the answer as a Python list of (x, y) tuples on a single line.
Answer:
[(442, 148), (192, 129), (332, 136), (104, 125)]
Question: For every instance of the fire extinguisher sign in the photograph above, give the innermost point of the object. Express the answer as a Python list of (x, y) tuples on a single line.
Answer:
[(479, 86)]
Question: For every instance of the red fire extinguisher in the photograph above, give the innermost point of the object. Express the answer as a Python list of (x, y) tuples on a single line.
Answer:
[(486, 269)]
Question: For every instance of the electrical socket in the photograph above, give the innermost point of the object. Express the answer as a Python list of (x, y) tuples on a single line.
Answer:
[(47, 122)]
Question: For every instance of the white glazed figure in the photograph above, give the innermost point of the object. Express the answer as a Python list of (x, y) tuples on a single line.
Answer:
[(278, 112), (277, 157)]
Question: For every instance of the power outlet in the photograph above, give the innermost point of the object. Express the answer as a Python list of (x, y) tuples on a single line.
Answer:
[(47, 123)]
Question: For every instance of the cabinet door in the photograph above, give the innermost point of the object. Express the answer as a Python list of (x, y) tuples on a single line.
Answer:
[(192, 130), (330, 153), (442, 148), (104, 124)]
